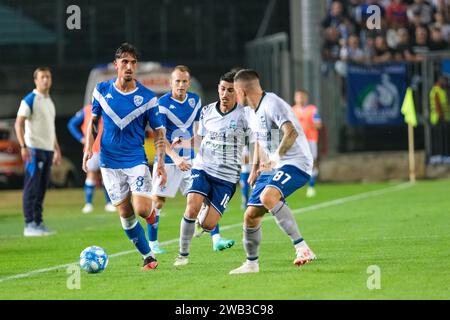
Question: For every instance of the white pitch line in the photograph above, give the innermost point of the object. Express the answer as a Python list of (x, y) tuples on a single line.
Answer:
[(322, 205)]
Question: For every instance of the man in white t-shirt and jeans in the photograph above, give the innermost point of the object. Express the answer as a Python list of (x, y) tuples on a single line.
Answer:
[(35, 130)]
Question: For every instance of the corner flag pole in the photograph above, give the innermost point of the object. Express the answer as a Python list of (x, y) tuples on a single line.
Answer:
[(409, 112), (412, 160)]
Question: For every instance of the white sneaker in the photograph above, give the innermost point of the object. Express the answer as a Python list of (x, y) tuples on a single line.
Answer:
[(45, 231), (247, 267), (109, 207), (310, 192), (31, 230), (181, 261), (304, 255), (88, 208)]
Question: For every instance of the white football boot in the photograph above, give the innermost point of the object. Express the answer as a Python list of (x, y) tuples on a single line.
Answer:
[(247, 267), (88, 208), (181, 261), (304, 255)]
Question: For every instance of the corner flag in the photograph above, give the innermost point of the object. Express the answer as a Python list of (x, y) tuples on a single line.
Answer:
[(408, 109)]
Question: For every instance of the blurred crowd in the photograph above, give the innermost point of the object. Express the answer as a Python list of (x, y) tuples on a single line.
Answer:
[(408, 28)]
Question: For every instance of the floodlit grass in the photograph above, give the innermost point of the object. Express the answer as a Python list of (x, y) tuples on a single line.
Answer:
[(404, 231)]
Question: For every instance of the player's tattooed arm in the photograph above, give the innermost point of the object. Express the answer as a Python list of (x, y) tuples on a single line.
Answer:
[(91, 134), (160, 146), (254, 173), (180, 162), (289, 137)]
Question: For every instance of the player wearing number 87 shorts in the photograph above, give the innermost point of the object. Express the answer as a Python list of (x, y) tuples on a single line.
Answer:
[(223, 127), (279, 167)]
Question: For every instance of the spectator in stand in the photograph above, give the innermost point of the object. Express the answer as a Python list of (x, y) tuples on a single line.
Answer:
[(441, 22), (351, 52), (382, 51), (442, 6), (404, 51), (338, 19), (369, 49), (331, 46), (424, 9), (421, 43), (437, 41), (396, 15)]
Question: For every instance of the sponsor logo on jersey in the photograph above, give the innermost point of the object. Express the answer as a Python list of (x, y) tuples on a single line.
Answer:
[(191, 102), (172, 106), (109, 96), (138, 100)]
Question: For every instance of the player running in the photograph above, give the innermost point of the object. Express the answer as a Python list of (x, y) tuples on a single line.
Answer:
[(309, 117), (215, 171), (279, 168), (126, 107), (179, 111), (77, 126)]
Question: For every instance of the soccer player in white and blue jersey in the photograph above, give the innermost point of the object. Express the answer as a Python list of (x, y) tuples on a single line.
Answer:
[(223, 127), (179, 111), (126, 107), (279, 167)]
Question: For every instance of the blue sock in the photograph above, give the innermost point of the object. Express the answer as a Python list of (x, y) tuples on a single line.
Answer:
[(136, 234), (89, 188), (107, 198), (215, 230), (312, 181), (153, 228)]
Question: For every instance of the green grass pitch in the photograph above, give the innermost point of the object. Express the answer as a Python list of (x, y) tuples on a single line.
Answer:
[(402, 229)]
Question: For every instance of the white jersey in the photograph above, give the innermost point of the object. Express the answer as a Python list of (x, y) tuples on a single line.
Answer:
[(266, 121), (39, 111), (220, 153)]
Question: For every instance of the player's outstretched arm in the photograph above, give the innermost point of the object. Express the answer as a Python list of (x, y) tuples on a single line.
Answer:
[(91, 133), (180, 162), (160, 146)]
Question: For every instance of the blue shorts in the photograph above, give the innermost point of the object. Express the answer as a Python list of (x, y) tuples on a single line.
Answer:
[(286, 179), (217, 191)]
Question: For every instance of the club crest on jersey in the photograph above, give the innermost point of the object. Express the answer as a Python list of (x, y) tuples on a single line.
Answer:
[(263, 120), (191, 102), (138, 100), (233, 125)]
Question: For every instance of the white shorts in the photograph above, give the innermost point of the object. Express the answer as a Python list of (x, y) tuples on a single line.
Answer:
[(93, 164), (176, 180), (313, 148), (120, 182)]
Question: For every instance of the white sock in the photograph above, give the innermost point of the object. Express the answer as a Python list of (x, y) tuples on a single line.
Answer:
[(216, 238)]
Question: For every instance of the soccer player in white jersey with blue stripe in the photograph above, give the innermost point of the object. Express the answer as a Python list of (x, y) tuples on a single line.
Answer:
[(179, 111), (223, 127), (127, 107), (279, 167)]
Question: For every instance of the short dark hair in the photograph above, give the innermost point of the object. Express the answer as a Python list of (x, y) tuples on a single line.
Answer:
[(228, 77), (246, 75), (126, 48), (40, 69)]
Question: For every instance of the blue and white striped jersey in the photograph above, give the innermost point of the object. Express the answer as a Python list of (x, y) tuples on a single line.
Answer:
[(178, 118), (125, 117)]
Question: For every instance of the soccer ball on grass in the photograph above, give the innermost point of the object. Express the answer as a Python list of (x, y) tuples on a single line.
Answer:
[(93, 259)]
